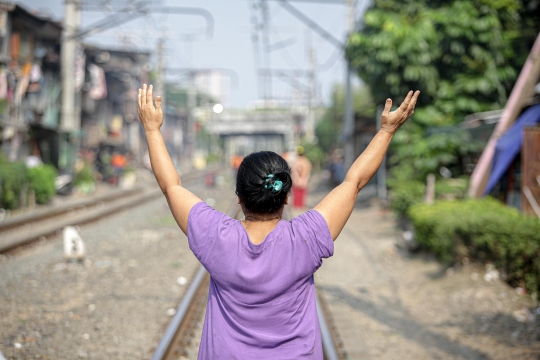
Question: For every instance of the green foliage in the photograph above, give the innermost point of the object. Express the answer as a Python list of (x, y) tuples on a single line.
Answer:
[(484, 230), (328, 129), (13, 178), (427, 153), (4, 106), (315, 154), (42, 181), (406, 192), (213, 158), (463, 55), (84, 175)]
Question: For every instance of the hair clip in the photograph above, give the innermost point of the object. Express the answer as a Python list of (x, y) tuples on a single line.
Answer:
[(275, 185)]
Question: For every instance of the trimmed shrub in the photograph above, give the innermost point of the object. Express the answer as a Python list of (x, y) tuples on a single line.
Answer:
[(484, 230), (42, 181), (13, 178), (405, 192)]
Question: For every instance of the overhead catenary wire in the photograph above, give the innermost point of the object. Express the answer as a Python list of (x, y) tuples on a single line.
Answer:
[(267, 81), (130, 13), (255, 41)]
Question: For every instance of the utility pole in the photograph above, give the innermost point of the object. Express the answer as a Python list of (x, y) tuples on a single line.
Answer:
[(267, 81), (348, 121), (191, 104), (348, 116), (310, 120), (160, 84), (69, 116)]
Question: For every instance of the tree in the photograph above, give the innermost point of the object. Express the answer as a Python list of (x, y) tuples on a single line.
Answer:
[(328, 129), (464, 56)]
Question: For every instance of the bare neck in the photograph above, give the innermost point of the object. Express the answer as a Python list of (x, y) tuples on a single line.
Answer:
[(258, 226), (262, 218)]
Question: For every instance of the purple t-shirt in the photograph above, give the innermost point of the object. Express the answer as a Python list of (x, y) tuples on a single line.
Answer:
[(261, 303)]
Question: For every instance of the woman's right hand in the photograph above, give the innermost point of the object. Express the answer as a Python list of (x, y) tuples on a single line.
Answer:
[(151, 117), (392, 121)]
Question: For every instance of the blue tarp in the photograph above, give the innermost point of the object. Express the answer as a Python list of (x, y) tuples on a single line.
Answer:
[(509, 145)]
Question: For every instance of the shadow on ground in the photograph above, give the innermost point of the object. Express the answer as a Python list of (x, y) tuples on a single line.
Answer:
[(395, 317)]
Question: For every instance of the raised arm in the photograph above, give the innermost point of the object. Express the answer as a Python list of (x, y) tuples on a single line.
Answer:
[(179, 198), (337, 206)]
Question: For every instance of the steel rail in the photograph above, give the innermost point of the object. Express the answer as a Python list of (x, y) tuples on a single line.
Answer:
[(165, 345), (17, 240), (45, 213), (329, 348), (47, 222)]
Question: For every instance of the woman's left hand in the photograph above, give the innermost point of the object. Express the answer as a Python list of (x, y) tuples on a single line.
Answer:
[(151, 116), (392, 121)]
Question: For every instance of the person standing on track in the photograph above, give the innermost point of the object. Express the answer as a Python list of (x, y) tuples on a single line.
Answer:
[(261, 302), (301, 172)]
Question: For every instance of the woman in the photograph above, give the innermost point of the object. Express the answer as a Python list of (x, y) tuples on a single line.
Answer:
[(261, 303)]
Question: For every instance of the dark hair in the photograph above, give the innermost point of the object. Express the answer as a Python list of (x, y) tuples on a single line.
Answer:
[(259, 192)]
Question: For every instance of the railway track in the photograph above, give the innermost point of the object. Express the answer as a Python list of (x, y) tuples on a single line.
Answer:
[(30, 227), (178, 338)]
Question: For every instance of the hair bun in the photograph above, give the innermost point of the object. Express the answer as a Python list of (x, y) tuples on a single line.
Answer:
[(263, 182)]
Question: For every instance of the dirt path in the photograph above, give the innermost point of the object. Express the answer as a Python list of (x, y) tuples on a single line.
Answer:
[(115, 304), (390, 304)]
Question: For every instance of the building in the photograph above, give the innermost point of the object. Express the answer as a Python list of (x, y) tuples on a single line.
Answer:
[(109, 99), (29, 84)]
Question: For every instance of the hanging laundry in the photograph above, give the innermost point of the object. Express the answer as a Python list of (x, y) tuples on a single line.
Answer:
[(98, 85), (35, 78), (35, 73)]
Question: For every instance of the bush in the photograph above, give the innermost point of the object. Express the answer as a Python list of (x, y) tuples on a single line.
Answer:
[(42, 181), (484, 230), (13, 178), (405, 192), (84, 175)]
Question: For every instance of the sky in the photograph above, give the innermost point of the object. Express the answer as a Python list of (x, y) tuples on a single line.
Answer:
[(231, 45)]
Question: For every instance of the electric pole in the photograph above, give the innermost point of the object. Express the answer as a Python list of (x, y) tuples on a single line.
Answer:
[(267, 56), (348, 118), (191, 104), (69, 116), (160, 84), (310, 120), (72, 17)]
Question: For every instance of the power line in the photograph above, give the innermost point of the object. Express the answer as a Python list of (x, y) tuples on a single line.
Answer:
[(330, 61), (267, 81), (255, 41), (130, 13), (313, 25)]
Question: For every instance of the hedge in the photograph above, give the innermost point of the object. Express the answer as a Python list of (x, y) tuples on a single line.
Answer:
[(405, 192), (484, 230), (13, 178), (42, 181)]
